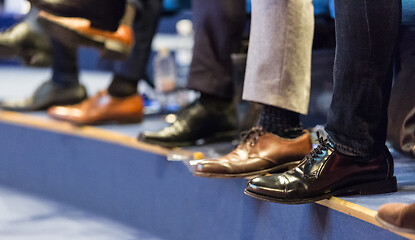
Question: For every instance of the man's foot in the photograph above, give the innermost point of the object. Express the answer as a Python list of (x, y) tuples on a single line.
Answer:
[(198, 122), (326, 172), (259, 153), (397, 217), (25, 42), (74, 32), (101, 108), (103, 14), (47, 95)]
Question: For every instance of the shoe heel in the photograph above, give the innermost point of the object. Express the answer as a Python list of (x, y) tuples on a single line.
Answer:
[(379, 187), (115, 50)]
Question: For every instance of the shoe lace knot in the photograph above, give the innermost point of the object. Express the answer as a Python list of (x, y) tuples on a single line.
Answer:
[(251, 136)]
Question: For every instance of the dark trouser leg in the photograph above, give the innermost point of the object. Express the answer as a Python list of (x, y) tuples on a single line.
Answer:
[(366, 32), (65, 65), (129, 72), (218, 31)]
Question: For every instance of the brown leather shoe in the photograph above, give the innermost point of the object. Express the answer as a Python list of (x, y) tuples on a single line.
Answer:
[(78, 31), (101, 108), (259, 152), (397, 217), (326, 172)]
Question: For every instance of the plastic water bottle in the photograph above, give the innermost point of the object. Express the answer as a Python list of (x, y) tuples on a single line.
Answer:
[(184, 52), (164, 71)]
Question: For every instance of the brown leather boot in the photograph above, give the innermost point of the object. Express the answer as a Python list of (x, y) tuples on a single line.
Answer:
[(397, 217), (259, 152)]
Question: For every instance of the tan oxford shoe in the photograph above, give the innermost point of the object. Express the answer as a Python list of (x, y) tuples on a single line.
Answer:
[(259, 153), (101, 108)]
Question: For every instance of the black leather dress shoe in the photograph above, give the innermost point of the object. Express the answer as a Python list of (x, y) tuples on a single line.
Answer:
[(25, 41), (47, 95), (325, 172), (103, 14), (198, 122)]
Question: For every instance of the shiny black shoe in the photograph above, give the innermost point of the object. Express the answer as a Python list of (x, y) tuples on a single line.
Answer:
[(47, 95), (198, 123), (103, 14), (326, 172), (27, 42)]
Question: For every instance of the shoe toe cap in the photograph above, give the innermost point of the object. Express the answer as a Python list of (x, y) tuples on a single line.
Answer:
[(267, 186), (213, 166)]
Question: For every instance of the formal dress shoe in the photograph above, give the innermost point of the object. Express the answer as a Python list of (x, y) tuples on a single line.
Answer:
[(258, 153), (101, 108), (326, 172), (27, 42), (103, 14), (199, 122), (397, 217), (74, 32), (47, 95)]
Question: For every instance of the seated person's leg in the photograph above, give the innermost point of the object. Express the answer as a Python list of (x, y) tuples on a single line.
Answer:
[(277, 76), (218, 32), (354, 160), (122, 103), (62, 89)]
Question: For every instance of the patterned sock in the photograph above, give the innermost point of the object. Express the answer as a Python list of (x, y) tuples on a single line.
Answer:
[(281, 122)]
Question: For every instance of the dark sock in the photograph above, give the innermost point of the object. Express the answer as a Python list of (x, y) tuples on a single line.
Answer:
[(281, 122), (122, 86), (215, 102)]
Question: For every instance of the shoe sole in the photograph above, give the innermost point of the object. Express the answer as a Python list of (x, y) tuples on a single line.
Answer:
[(280, 168), (109, 48), (378, 187), (42, 107), (119, 121), (393, 227), (218, 137)]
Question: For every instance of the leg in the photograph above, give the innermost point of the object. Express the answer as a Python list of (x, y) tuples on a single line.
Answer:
[(355, 160), (367, 33), (123, 103), (278, 75), (129, 72), (62, 89), (218, 33)]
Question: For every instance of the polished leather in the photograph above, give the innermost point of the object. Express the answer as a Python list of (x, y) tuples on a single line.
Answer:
[(101, 108), (258, 153), (74, 32), (27, 43), (326, 172), (104, 14), (47, 95), (197, 121), (397, 216)]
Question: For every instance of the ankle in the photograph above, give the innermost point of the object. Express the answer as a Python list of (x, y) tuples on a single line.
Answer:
[(281, 122), (122, 86)]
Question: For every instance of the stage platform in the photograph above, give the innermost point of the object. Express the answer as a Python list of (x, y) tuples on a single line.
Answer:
[(104, 170)]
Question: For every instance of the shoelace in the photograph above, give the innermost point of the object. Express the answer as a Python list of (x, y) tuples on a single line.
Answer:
[(251, 136), (323, 146)]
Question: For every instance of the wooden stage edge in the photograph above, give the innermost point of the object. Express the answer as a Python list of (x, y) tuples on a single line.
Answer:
[(334, 203)]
